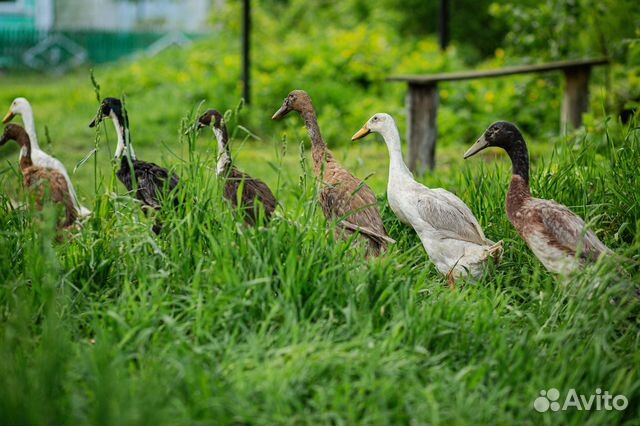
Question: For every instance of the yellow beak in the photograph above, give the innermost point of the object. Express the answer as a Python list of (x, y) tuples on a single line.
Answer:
[(361, 133), (7, 118)]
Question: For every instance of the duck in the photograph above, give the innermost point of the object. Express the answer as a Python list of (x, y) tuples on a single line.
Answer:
[(150, 178), (254, 191), (557, 237), (41, 180), (448, 230), (21, 106), (343, 197)]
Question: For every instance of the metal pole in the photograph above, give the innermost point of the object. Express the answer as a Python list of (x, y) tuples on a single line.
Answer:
[(246, 60), (443, 24)]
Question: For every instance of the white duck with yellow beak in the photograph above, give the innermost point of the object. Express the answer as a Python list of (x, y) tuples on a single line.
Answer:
[(22, 107), (447, 228)]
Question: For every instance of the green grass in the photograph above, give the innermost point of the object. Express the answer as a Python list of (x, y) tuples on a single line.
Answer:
[(213, 322)]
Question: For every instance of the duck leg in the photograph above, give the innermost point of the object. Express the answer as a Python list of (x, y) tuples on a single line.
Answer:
[(450, 280)]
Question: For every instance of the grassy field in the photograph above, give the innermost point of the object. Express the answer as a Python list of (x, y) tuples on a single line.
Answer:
[(216, 323)]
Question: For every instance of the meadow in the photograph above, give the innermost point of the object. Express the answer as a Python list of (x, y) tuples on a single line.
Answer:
[(214, 322)]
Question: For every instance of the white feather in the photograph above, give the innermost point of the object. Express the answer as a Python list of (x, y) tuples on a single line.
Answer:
[(446, 226), (223, 156), (21, 106)]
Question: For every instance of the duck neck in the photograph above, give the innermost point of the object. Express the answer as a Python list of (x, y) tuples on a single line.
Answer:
[(224, 153), (519, 156), (30, 127), (397, 166), (519, 190), (124, 142), (25, 150), (318, 147)]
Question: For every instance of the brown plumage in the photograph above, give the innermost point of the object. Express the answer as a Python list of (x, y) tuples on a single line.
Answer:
[(557, 236), (343, 197), (40, 180), (254, 191)]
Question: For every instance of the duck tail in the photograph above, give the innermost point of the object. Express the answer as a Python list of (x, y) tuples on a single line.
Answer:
[(495, 251)]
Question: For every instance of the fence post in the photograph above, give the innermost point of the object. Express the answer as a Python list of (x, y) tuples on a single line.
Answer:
[(576, 96), (246, 59), (422, 108), (443, 24)]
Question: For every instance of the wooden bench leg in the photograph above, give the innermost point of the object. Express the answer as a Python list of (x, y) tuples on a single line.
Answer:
[(576, 96), (422, 110)]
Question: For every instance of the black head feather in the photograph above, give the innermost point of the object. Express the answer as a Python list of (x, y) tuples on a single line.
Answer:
[(108, 106), (211, 118), (502, 134)]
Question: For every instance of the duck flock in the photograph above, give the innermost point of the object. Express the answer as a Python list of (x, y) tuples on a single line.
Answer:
[(446, 226)]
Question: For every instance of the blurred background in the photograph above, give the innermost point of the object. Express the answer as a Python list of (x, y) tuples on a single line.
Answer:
[(168, 57)]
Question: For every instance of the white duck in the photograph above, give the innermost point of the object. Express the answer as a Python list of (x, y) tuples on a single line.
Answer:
[(22, 107), (448, 230)]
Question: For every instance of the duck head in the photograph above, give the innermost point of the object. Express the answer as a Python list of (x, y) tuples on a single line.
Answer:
[(109, 108), (500, 134), (13, 132), (215, 120), (378, 123), (298, 100), (18, 106), (112, 108), (211, 118)]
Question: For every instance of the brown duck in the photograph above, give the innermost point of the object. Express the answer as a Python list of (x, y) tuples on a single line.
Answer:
[(343, 197), (254, 191), (41, 180), (556, 235)]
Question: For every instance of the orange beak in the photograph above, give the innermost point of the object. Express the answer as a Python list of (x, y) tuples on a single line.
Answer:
[(7, 118), (361, 133)]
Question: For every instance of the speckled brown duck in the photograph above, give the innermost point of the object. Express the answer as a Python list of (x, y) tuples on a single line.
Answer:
[(150, 178), (41, 180), (254, 191), (343, 196), (556, 235)]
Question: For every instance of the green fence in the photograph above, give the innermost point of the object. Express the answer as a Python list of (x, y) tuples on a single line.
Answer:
[(100, 47)]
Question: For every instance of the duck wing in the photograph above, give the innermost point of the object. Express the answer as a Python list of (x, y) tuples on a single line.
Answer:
[(350, 200), (378, 238), (42, 159), (567, 231), (448, 215), (151, 180), (45, 180), (253, 189)]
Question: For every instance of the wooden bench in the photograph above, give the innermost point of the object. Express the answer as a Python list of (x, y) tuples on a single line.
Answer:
[(422, 101)]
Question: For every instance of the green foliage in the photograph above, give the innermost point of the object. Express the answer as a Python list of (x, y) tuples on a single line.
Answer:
[(470, 23), (215, 322), (580, 28), (340, 59)]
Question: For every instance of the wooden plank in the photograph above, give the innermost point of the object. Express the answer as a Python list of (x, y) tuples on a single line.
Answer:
[(576, 97), (430, 79), (422, 107)]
